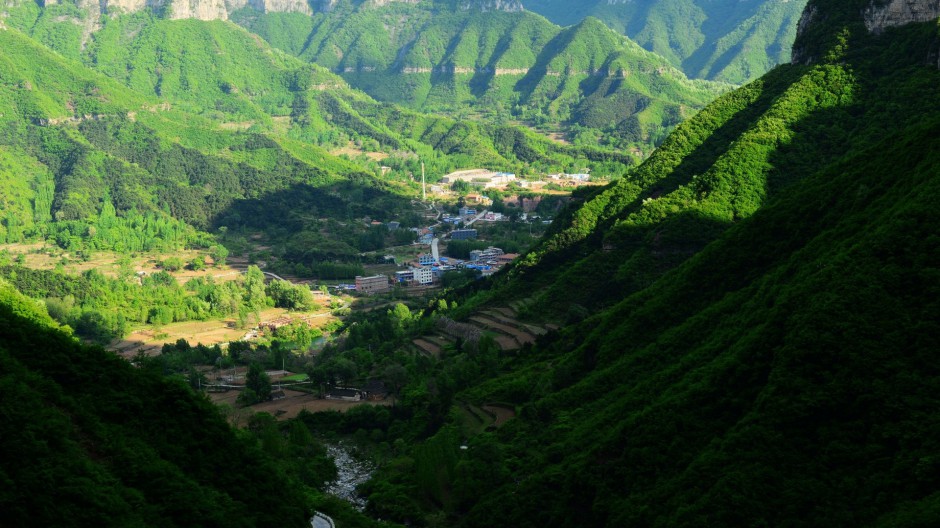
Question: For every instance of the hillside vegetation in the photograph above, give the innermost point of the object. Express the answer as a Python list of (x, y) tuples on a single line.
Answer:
[(88, 439), (743, 151), (586, 79), (761, 345), (725, 40), (166, 126), (742, 331)]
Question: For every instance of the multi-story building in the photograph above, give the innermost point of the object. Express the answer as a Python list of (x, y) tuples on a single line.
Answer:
[(463, 234), (485, 254), (423, 275), (374, 284)]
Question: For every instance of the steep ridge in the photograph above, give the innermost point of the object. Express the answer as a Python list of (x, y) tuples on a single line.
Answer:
[(490, 59), (92, 144), (759, 382), (718, 168), (433, 57), (724, 40), (767, 353)]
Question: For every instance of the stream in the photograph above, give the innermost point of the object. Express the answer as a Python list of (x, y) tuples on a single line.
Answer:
[(350, 473)]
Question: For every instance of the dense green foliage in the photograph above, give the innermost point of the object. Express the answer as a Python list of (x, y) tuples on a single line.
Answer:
[(744, 150), (101, 309), (436, 56), (724, 40), (218, 131), (783, 363), (87, 439), (764, 342), (750, 339)]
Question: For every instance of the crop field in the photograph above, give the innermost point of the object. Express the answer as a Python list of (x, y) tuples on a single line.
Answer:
[(47, 256), (288, 407), (150, 340)]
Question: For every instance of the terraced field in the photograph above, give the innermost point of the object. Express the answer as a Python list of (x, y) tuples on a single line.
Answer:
[(500, 323)]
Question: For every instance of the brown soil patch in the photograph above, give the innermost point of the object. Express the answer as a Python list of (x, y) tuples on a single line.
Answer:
[(427, 346), (352, 151), (506, 343), (502, 414), (438, 340), (522, 337), (505, 310), (288, 407), (232, 125), (498, 317), (205, 332)]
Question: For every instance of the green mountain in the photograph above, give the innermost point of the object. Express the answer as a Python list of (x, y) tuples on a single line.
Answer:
[(722, 40), (90, 440), (740, 153), (748, 327), (176, 123), (439, 56), (758, 304)]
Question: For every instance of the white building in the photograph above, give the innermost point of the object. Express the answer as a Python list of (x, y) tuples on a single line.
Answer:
[(480, 178), (423, 275)]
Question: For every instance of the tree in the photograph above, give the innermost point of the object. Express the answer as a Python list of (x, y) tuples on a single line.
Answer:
[(400, 317), (218, 253), (172, 264), (254, 288), (198, 263), (258, 382)]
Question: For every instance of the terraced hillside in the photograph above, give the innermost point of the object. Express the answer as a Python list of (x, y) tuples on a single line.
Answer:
[(501, 324)]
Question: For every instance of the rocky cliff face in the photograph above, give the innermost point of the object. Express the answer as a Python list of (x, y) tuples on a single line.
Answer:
[(198, 9), (899, 12), (278, 6), (509, 6), (822, 19), (383, 3)]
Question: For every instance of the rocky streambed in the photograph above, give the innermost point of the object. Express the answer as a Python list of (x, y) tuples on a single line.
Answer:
[(350, 472)]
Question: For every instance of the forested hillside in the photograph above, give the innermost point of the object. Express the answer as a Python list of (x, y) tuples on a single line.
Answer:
[(202, 125), (725, 40), (90, 440), (741, 331), (763, 297), (743, 151), (585, 80)]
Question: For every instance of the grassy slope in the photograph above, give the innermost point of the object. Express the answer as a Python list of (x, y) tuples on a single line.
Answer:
[(717, 168), (210, 122)]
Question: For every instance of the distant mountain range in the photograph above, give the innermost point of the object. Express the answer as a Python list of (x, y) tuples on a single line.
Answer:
[(467, 58), (471, 58), (723, 40), (202, 121)]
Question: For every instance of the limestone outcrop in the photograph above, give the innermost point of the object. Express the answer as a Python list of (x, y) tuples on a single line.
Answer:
[(899, 12)]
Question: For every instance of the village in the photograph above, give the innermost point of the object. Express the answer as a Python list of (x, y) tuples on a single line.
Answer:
[(426, 270)]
